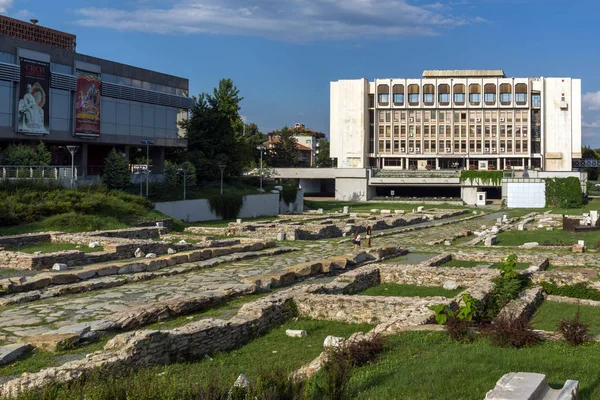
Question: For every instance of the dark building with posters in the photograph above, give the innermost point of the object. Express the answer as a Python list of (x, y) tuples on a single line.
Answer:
[(51, 93)]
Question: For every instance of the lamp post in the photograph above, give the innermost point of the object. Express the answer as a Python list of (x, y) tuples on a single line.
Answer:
[(261, 148), (185, 169), (222, 167), (147, 143), (72, 150)]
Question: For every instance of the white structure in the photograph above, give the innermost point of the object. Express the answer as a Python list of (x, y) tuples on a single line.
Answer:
[(460, 119)]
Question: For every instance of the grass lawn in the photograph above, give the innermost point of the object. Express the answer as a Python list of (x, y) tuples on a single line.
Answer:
[(393, 289), (272, 351), (36, 360), (551, 312), (419, 366), (473, 264), (49, 247), (334, 206), (557, 236)]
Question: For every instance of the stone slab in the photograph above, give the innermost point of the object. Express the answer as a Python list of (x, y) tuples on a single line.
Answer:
[(11, 352)]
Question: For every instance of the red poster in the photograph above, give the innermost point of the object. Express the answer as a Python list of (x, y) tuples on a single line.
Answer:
[(87, 107)]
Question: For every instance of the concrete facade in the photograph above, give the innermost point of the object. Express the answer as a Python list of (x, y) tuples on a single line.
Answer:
[(456, 120)]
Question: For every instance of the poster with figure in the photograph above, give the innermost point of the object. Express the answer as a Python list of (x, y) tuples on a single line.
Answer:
[(87, 106), (33, 112)]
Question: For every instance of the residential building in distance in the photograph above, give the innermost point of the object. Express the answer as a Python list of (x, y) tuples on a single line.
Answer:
[(457, 119), (50, 92), (307, 143)]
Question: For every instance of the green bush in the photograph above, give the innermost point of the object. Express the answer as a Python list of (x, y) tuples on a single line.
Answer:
[(116, 171), (573, 330), (21, 154), (563, 193), (506, 288), (289, 193), (576, 291), (486, 177), (25, 202), (174, 175), (226, 205)]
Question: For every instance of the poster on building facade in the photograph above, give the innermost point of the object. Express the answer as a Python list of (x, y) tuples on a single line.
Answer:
[(87, 106), (33, 112)]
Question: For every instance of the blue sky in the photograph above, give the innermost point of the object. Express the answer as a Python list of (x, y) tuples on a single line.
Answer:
[(282, 54)]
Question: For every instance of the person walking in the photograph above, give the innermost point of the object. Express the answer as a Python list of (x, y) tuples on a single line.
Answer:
[(356, 240), (368, 236)]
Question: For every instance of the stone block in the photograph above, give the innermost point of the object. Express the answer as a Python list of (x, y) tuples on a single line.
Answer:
[(346, 210), (86, 274), (306, 269), (77, 329), (53, 341), (374, 210), (11, 352), (420, 208), (531, 244), (333, 341), (578, 248), (151, 255), (107, 270), (447, 243), (64, 279), (530, 386), (171, 251), (450, 285), (386, 211), (281, 236), (132, 268), (93, 245), (521, 227), (60, 267), (103, 326), (491, 240), (495, 229), (139, 253), (295, 333), (399, 211)]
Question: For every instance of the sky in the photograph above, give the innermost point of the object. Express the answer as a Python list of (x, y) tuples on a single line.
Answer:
[(282, 54)]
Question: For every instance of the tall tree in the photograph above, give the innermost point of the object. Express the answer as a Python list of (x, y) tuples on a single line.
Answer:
[(323, 160), (211, 133), (588, 153), (284, 152)]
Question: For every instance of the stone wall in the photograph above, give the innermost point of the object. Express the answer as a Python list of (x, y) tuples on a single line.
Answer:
[(147, 347), (25, 240), (433, 276), (368, 309)]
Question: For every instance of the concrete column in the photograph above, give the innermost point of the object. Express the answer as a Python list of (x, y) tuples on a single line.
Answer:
[(158, 159), (437, 163), (84, 160)]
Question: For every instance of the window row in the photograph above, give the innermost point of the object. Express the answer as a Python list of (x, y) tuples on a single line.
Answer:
[(427, 94), (458, 131), (456, 117), (448, 146)]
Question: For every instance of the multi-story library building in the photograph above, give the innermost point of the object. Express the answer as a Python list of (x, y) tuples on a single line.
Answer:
[(459, 119)]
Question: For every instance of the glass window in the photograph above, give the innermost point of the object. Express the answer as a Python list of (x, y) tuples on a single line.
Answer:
[(505, 97), (490, 97), (459, 97), (384, 97), (445, 98), (428, 98), (413, 98), (399, 98), (536, 100), (521, 97)]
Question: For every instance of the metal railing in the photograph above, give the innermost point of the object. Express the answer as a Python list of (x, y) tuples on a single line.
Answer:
[(36, 172)]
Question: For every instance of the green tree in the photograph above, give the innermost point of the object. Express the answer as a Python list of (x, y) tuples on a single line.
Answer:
[(588, 153), (174, 174), (254, 138), (25, 155), (116, 171), (323, 159), (212, 133), (284, 152)]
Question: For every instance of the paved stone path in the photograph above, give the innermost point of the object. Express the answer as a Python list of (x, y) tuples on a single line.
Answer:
[(48, 314)]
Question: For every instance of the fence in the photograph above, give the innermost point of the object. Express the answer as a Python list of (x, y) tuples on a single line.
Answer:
[(36, 172)]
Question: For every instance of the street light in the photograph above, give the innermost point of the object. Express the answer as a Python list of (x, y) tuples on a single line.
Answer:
[(147, 143), (222, 166), (72, 150), (261, 148), (185, 169)]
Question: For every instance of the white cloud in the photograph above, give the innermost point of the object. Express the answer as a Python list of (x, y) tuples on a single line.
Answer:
[(591, 100), (5, 5), (22, 14), (292, 20), (593, 124)]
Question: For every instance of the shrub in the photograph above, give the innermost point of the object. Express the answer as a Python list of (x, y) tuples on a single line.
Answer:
[(512, 331), (564, 193), (274, 384), (21, 154), (573, 330), (486, 177), (506, 288), (458, 329), (289, 193), (174, 174), (116, 171), (226, 205), (364, 351), (576, 291)]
